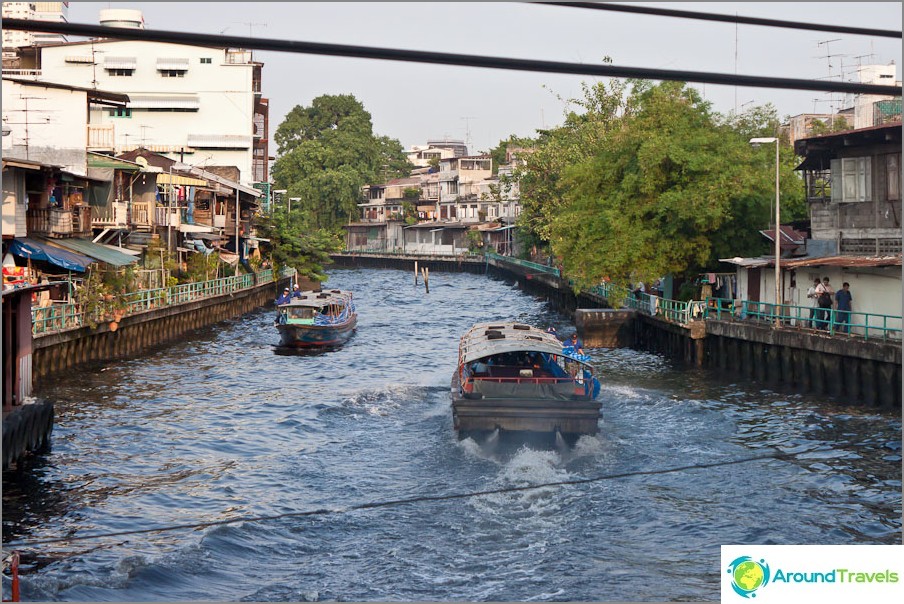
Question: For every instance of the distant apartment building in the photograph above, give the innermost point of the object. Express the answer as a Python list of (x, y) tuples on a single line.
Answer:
[(436, 150), (860, 111), (41, 11), (201, 106)]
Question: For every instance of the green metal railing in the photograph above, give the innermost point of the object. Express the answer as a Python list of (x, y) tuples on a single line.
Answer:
[(867, 325), (540, 268), (63, 316)]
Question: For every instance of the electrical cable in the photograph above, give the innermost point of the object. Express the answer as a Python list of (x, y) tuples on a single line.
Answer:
[(396, 502), (437, 58), (686, 14)]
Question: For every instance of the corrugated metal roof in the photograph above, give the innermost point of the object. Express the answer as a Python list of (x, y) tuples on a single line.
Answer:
[(845, 261), (96, 250)]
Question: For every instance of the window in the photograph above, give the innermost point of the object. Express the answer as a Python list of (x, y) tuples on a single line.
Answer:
[(893, 176), (206, 61), (120, 72), (172, 73), (121, 112), (855, 179)]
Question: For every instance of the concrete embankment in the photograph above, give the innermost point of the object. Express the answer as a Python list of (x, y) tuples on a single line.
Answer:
[(138, 332)]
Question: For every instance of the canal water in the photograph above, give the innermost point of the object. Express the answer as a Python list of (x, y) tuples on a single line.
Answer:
[(219, 427)]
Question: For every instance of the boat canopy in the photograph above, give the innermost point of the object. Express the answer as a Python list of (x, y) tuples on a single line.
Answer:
[(319, 299), (488, 339)]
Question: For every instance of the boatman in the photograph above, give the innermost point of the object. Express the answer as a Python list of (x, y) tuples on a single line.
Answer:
[(575, 342), (297, 292), (285, 298)]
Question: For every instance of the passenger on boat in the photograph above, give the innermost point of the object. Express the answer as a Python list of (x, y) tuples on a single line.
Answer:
[(296, 293)]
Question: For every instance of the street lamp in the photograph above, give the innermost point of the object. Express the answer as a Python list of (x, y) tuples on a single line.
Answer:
[(778, 279)]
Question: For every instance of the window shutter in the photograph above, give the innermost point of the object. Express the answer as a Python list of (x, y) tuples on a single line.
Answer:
[(837, 180), (866, 189)]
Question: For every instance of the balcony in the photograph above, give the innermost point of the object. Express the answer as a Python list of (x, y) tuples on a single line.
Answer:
[(59, 222), (113, 215), (101, 137), (142, 214), (168, 217)]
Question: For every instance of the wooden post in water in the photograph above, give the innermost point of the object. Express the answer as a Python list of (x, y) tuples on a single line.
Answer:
[(415, 273), (427, 279)]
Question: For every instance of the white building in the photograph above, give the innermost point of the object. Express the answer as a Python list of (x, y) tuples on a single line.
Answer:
[(864, 104), (198, 105)]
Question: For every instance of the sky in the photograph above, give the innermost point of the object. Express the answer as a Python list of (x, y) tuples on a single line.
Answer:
[(415, 103)]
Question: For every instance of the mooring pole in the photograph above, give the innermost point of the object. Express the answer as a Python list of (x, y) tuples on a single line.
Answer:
[(415, 273)]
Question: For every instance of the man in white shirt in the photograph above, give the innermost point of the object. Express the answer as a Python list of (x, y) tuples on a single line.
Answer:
[(811, 296)]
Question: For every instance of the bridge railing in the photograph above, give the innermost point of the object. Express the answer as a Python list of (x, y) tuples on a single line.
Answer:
[(60, 317), (830, 320)]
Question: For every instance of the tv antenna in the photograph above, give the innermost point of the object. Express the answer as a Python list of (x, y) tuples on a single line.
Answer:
[(468, 131)]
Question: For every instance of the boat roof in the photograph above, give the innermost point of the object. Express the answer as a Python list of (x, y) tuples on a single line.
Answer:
[(321, 298), (487, 339)]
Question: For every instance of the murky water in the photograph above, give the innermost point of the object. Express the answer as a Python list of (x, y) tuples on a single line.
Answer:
[(221, 427)]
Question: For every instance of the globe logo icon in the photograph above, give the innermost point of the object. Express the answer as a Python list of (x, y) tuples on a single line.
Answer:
[(748, 575)]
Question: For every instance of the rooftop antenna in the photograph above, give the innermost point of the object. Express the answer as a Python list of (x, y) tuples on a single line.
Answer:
[(251, 25), (828, 57), (468, 131)]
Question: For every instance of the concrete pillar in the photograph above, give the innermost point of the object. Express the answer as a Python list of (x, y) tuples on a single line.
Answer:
[(887, 387), (832, 371), (868, 383)]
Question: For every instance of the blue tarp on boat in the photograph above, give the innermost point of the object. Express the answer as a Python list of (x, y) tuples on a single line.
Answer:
[(29, 248)]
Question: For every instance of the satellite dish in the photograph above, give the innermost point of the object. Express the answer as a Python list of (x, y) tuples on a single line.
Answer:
[(142, 161)]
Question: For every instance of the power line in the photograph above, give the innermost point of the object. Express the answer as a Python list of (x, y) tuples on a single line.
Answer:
[(413, 56), (397, 502), (683, 14)]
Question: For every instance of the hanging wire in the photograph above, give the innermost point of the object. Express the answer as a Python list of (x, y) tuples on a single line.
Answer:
[(438, 58), (397, 502), (686, 14)]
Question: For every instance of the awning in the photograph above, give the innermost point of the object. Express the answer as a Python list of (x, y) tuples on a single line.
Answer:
[(96, 250), (175, 179), (195, 228), (99, 160), (122, 250), (35, 250)]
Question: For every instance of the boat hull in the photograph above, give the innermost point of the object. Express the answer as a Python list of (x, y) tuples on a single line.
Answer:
[(316, 336), (568, 417)]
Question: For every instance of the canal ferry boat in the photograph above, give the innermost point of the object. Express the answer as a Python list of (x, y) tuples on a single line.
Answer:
[(517, 378), (317, 319)]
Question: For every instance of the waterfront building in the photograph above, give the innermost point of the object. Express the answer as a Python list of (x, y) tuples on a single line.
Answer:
[(852, 181), (199, 105), (57, 12)]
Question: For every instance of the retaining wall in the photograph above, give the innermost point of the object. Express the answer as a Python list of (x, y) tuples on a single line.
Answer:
[(139, 331)]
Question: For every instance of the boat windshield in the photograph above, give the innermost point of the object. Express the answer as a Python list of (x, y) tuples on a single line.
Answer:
[(300, 312)]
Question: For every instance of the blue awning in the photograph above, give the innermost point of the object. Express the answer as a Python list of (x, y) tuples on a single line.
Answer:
[(29, 248)]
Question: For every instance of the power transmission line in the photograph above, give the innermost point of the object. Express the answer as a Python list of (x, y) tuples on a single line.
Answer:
[(396, 502), (683, 14), (366, 52)]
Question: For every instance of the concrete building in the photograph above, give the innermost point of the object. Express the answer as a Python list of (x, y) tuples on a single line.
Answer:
[(199, 105)]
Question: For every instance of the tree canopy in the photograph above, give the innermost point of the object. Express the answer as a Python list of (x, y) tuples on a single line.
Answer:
[(648, 182), (326, 153)]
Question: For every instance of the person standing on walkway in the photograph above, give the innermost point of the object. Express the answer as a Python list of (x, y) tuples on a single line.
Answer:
[(811, 295), (824, 294), (843, 307)]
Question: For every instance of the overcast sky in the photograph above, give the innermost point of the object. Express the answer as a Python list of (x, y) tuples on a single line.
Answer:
[(416, 102)]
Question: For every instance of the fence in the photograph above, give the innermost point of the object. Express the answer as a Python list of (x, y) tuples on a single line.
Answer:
[(540, 268), (830, 320), (60, 317)]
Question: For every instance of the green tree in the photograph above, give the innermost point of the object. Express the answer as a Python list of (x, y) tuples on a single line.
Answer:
[(327, 153), (666, 190), (294, 242)]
